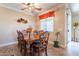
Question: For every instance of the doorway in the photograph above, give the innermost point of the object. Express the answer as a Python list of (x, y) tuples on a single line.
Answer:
[(72, 47), (68, 25)]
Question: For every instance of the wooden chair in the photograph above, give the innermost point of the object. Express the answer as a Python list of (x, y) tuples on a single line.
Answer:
[(25, 43), (18, 37), (21, 43), (41, 43), (28, 42)]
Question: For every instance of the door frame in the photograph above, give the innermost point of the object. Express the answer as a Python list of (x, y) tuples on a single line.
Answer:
[(68, 31)]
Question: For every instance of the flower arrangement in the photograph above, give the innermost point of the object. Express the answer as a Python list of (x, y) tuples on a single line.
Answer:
[(21, 20), (57, 34), (75, 24)]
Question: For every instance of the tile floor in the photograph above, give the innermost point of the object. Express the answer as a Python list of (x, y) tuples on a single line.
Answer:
[(13, 50), (71, 50)]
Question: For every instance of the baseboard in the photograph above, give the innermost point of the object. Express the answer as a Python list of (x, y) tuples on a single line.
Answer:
[(2, 45), (62, 46), (50, 42)]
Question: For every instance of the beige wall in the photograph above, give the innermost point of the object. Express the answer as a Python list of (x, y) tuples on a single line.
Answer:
[(59, 24), (9, 25)]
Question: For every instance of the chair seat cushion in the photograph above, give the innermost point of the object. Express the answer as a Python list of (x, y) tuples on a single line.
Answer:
[(36, 42)]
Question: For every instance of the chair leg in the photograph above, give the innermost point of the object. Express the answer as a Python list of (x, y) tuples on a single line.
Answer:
[(27, 53), (46, 52), (23, 52), (38, 52), (20, 48), (18, 44), (33, 52)]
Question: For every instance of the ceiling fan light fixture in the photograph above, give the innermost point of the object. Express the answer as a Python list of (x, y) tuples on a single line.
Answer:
[(31, 6), (28, 3)]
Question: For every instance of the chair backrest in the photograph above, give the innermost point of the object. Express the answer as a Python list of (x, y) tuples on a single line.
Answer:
[(36, 34), (44, 38), (18, 32), (28, 31), (20, 35), (46, 34)]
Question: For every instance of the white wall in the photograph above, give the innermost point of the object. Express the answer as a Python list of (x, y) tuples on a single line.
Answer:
[(75, 17), (9, 25)]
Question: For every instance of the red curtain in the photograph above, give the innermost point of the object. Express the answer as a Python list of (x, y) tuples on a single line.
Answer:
[(46, 15)]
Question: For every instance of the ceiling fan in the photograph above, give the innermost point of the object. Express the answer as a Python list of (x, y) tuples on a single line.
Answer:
[(31, 6)]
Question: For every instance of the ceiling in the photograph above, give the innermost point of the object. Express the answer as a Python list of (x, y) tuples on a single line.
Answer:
[(18, 6), (74, 8)]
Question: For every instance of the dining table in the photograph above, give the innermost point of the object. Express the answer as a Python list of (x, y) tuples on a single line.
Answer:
[(30, 39)]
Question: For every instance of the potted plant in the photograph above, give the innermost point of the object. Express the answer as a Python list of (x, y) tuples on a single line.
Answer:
[(75, 26), (56, 42)]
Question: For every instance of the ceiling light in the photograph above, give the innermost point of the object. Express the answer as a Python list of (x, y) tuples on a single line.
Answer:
[(31, 6)]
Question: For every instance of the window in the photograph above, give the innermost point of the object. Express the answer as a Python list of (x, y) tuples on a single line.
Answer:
[(47, 24), (47, 21)]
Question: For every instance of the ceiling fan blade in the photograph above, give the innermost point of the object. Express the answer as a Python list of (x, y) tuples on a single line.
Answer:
[(23, 8), (39, 9)]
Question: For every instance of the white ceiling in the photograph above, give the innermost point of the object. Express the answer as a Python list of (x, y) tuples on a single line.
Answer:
[(18, 7), (74, 8)]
